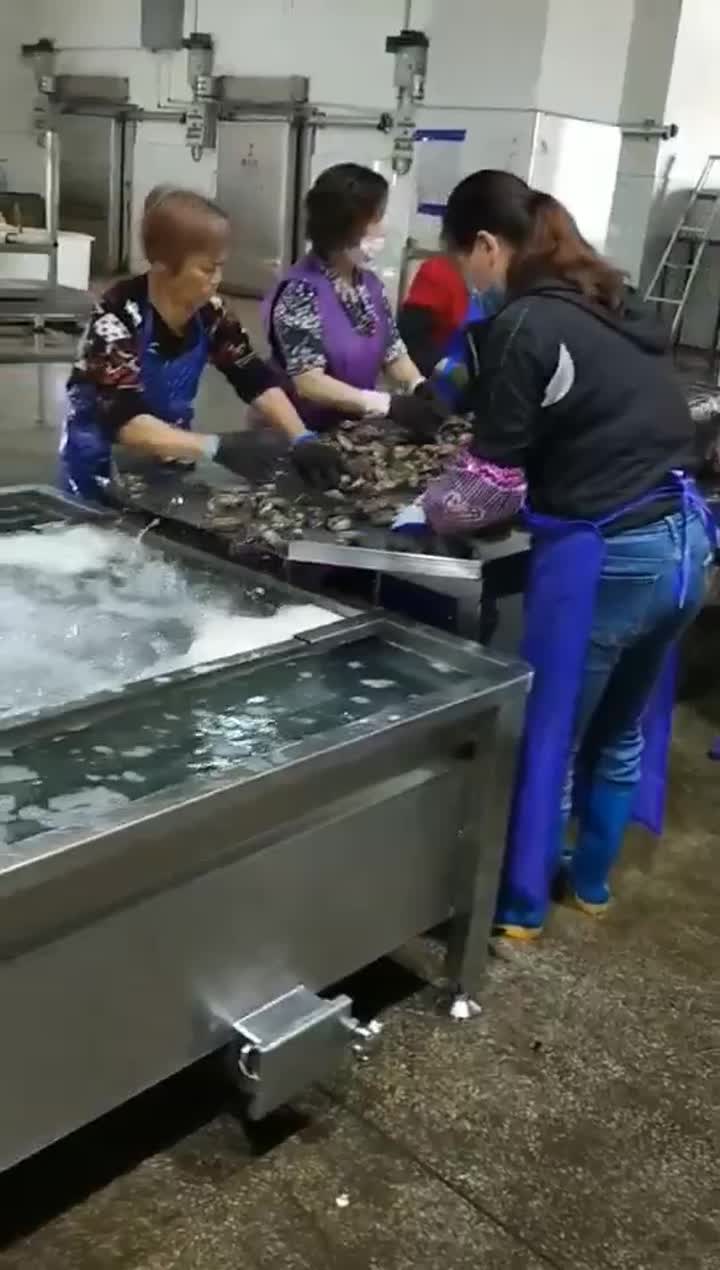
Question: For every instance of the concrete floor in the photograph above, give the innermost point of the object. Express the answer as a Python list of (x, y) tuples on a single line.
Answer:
[(575, 1125)]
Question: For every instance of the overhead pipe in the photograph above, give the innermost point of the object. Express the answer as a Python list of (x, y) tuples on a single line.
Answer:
[(381, 122), (650, 130)]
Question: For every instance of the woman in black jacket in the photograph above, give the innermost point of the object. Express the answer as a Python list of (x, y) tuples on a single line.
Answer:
[(575, 405)]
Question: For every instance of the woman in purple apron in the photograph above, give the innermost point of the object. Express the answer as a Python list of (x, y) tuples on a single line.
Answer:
[(140, 362), (329, 321), (573, 398)]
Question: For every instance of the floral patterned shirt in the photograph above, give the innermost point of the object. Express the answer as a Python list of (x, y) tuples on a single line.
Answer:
[(109, 353), (298, 329)]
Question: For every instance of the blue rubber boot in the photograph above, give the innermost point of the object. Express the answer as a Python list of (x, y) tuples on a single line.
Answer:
[(605, 817), (518, 918)]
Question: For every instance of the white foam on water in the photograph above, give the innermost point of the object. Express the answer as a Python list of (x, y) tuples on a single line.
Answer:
[(8, 803), (378, 684), (83, 549), (85, 609), (80, 808), (12, 772), (94, 800), (222, 635)]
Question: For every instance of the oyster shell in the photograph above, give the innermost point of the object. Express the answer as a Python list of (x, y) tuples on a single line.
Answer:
[(382, 472)]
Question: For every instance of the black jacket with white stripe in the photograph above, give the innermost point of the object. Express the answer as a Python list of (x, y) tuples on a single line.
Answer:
[(586, 401)]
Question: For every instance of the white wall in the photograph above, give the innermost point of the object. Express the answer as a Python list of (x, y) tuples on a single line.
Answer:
[(644, 96), (340, 44), (576, 160), (23, 161), (493, 64), (650, 58), (485, 53), (583, 58)]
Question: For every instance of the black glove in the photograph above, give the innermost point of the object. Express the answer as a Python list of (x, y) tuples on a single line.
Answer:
[(246, 455), (319, 465), (420, 413)]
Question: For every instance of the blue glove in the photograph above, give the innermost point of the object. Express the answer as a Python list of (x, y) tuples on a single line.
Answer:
[(307, 435), (411, 519)]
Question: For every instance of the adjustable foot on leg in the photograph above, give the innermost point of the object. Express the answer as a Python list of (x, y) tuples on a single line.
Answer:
[(463, 1008)]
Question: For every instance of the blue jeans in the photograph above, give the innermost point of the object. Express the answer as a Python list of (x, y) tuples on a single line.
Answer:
[(637, 620)]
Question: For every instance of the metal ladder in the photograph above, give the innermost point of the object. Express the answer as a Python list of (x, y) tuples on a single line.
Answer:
[(698, 236)]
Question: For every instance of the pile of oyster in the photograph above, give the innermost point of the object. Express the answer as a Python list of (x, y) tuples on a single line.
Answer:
[(382, 473)]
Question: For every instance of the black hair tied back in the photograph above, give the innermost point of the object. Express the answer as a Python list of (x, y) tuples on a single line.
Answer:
[(545, 241)]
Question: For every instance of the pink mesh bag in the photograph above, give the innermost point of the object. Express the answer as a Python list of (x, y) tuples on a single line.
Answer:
[(472, 494)]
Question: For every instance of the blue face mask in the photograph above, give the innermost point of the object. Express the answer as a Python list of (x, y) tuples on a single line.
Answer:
[(492, 298)]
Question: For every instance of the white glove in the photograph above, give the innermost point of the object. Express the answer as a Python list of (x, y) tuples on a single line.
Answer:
[(375, 403), (411, 517)]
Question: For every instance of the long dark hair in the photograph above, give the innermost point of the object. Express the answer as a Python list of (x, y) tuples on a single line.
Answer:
[(341, 204), (547, 243)]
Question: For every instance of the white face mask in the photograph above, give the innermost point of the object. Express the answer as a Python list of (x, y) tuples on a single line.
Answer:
[(367, 250)]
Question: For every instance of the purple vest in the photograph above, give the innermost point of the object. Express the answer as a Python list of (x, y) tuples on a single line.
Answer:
[(351, 356)]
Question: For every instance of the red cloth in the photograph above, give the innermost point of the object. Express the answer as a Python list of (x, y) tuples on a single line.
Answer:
[(438, 286)]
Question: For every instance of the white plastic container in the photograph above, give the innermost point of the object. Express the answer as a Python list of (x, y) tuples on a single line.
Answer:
[(73, 261)]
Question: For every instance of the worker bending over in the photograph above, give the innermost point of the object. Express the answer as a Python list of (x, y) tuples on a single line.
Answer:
[(574, 401)]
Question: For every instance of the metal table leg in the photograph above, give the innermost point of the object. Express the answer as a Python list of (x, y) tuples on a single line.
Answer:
[(468, 612), (38, 347), (488, 793)]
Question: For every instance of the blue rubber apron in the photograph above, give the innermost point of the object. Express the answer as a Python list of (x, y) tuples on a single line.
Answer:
[(565, 567), (450, 376), (169, 388)]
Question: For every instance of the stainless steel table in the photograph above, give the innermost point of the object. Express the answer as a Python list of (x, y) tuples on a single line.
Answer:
[(461, 579)]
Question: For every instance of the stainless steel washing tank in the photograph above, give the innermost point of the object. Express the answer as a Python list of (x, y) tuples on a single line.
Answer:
[(281, 818)]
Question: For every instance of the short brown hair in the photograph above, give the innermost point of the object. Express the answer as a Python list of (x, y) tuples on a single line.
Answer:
[(178, 223)]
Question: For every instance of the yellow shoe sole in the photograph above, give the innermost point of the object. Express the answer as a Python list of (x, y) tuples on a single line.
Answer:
[(591, 910), (526, 934)]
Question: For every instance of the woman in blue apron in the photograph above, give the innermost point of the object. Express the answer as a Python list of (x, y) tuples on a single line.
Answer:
[(141, 359), (572, 396)]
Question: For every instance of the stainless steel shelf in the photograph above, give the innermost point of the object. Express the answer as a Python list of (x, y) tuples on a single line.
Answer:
[(25, 247)]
